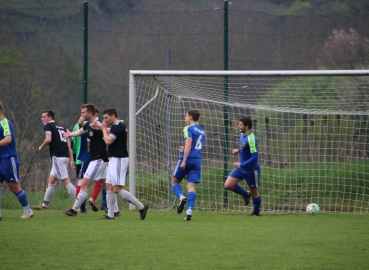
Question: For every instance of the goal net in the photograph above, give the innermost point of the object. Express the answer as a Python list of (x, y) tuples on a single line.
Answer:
[(312, 129)]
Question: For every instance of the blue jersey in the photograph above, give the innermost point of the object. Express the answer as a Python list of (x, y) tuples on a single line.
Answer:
[(6, 129), (248, 150), (198, 136)]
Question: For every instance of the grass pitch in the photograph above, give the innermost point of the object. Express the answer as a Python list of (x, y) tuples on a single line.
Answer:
[(212, 240)]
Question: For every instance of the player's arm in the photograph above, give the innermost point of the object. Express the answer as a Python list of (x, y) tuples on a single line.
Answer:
[(71, 159), (187, 150), (6, 132), (97, 126), (108, 139), (7, 140), (252, 159), (76, 133), (46, 142), (235, 151)]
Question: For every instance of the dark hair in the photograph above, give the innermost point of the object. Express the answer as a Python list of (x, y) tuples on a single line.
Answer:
[(97, 110), (89, 107), (50, 113), (110, 112), (246, 121), (194, 114)]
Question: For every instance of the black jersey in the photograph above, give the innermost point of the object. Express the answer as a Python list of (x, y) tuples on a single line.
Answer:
[(119, 147), (58, 146), (95, 138)]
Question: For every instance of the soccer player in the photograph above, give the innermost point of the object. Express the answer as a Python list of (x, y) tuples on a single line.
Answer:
[(81, 157), (97, 167), (189, 164), (9, 163), (248, 167), (116, 139), (80, 150), (61, 155)]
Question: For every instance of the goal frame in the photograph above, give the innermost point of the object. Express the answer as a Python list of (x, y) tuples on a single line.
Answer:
[(132, 97)]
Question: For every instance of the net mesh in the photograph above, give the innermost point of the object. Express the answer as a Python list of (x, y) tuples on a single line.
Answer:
[(311, 130)]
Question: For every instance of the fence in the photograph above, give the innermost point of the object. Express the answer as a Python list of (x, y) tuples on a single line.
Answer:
[(44, 52)]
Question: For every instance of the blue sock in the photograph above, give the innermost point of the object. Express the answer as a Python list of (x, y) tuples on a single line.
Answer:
[(177, 190), (22, 198), (239, 190), (191, 200), (257, 203), (103, 200)]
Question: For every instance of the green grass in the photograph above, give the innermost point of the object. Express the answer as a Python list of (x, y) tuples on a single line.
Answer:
[(212, 240)]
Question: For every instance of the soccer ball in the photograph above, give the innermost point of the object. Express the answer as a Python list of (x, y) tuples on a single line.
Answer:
[(312, 209)]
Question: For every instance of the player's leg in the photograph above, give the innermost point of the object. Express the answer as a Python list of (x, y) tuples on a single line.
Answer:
[(93, 172), (231, 184), (193, 178), (191, 197), (80, 198), (253, 182), (103, 200), (111, 199), (80, 170), (61, 165), (70, 187), (51, 186), (10, 172), (94, 195), (118, 180), (51, 183), (178, 175)]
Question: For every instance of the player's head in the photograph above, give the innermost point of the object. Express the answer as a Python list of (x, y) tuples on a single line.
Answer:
[(1, 109), (88, 111), (97, 111), (110, 115), (47, 116), (244, 124), (192, 116)]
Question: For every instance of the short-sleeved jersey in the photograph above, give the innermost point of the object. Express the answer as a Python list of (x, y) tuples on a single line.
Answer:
[(58, 146), (198, 136), (248, 146), (6, 129), (119, 147), (96, 140)]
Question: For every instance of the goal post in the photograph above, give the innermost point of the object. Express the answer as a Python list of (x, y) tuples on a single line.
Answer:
[(312, 127)]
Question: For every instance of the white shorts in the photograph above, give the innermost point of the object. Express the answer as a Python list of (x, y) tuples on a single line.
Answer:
[(96, 170), (59, 167), (117, 171)]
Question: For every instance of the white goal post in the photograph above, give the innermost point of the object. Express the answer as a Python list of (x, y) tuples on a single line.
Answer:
[(312, 127)]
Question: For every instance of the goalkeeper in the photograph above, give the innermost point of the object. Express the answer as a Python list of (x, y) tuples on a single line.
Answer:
[(248, 168), (189, 164)]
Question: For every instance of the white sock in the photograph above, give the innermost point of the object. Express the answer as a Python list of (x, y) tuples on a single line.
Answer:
[(116, 207), (71, 190), (130, 198), (82, 195), (111, 200), (49, 192)]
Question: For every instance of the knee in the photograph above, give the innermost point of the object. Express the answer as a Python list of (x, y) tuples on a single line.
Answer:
[(228, 186), (14, 188)]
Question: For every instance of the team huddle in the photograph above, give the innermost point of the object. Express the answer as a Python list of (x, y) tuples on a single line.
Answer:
[(97, 150)]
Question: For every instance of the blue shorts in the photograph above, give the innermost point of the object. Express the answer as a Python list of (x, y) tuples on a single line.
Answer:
[(9, 169), (192, 171), (83, 169), (251, 176)]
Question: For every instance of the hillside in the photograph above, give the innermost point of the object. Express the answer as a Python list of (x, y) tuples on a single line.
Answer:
[(288, 7)]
